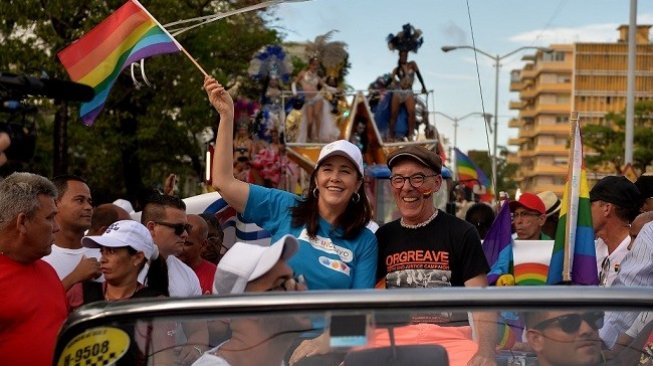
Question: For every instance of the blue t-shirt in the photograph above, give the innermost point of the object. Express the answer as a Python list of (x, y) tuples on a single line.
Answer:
[(326, 262)]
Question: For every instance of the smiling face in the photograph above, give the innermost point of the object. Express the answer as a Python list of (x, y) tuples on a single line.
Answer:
[(415, 204), (556, 347), (337, 180), (75, 207)]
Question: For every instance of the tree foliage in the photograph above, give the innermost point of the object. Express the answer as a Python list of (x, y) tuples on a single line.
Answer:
[(143, 133), (505, 171), (607, 140)]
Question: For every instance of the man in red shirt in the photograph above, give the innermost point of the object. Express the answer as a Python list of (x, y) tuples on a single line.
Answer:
[(192, 253), (33, 305)]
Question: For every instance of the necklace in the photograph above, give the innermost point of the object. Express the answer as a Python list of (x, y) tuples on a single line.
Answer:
[(421, 224)]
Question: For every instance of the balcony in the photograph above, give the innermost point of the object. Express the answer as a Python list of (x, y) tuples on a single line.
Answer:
[(554, 87), (513, 159), (547, 170), (527, 132), (515, 123), (529, 93), (517, 105), (516, 86), (516, 141), (558, 150), (555, 129), (553, 108)]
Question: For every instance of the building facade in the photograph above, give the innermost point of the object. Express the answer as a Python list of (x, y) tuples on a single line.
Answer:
[(589, 78)]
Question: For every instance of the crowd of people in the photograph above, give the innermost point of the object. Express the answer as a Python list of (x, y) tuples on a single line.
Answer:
[(58, 252)]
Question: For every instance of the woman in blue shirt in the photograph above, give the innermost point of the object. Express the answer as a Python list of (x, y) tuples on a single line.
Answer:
[(337, 250)]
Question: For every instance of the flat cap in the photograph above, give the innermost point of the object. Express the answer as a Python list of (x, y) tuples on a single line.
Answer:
[(418, 153)]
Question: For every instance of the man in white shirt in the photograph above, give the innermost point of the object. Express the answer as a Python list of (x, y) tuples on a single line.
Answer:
[(635, 271), (615, 203), (73, 262), (165, 217)]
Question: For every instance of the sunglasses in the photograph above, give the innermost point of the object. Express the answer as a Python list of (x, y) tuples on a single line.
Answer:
[(570, 323), (179, 228)]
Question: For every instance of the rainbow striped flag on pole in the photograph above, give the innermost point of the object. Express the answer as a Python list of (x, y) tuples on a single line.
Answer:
[(127, 35), (574, 254), (470, 174)]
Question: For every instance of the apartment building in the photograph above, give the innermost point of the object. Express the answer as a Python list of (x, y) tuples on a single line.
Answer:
[(589, 78)]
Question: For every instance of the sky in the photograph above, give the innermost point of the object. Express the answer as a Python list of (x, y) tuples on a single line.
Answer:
[(497, 27)]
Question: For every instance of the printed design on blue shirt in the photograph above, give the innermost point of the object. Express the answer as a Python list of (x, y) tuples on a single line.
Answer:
[(326, 245), (335, 265)]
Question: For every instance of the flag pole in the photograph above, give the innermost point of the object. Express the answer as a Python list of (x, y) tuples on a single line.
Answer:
[(181, 48), (566, 264)]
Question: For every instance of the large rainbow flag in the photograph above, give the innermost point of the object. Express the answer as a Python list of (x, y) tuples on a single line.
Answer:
[(127, 35), (470, 174), (574, 255)]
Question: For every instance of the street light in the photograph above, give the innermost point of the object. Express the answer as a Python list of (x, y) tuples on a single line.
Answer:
[(455, 120), (497, 64)]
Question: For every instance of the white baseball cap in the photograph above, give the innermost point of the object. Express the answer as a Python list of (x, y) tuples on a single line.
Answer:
[(125, 205), (125, 233), (246, 262), (342, 148)]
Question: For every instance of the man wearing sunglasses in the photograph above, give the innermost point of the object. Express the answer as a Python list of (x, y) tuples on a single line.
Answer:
[(565, 338), (165, 217)]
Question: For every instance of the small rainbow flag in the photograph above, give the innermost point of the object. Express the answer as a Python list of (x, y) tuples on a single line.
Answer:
[(127, 35), (574, 256), (470, 174)]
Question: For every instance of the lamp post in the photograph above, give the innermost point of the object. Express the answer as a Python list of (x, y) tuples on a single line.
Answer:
[(455, 121), (497, 64)]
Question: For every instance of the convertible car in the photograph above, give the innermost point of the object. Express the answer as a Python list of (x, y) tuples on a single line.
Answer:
[(373, 327)]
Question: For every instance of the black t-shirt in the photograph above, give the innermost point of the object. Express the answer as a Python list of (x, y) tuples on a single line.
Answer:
[(446, 252)]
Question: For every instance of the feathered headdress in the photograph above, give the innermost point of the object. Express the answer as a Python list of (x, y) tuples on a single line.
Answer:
[(270, 61), (408, 39), (332, 55)]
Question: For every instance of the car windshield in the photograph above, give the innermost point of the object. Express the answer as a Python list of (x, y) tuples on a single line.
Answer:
[(543, 325)]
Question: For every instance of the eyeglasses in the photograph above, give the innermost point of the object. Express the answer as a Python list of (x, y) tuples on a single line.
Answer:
[(524, 214), (179, 228), (570, 323), (415, 180)]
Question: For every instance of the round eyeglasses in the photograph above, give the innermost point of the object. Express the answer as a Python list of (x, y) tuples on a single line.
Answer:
[(415, 180)]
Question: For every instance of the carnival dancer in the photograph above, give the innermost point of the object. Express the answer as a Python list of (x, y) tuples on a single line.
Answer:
[(272, 68), (336, 249), (403, 76), (317, 122)]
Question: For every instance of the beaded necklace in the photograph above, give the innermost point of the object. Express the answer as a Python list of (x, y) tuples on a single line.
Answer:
[(421, 224)]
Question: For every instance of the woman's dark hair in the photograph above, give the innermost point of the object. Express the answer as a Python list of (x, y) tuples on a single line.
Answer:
[(481, 216), (157, 275), (351, 221)]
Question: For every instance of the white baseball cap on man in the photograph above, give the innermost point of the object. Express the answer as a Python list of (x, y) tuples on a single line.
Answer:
[(246, 262), (125, 233), (345, 149)]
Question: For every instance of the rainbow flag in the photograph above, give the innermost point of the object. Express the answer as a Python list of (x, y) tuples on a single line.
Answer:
[(574, 255), (470, 174), (497, 245), (127, 35)]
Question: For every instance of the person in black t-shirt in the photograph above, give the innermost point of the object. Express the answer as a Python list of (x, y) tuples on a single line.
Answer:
[(427, 247)]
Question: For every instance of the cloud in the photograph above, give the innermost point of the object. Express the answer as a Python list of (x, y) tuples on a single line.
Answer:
[(450, 76), (603, 32)]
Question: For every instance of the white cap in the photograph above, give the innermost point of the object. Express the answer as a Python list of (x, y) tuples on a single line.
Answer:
[(343, 148), (246, 262), (125, 233), (125, 205)]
